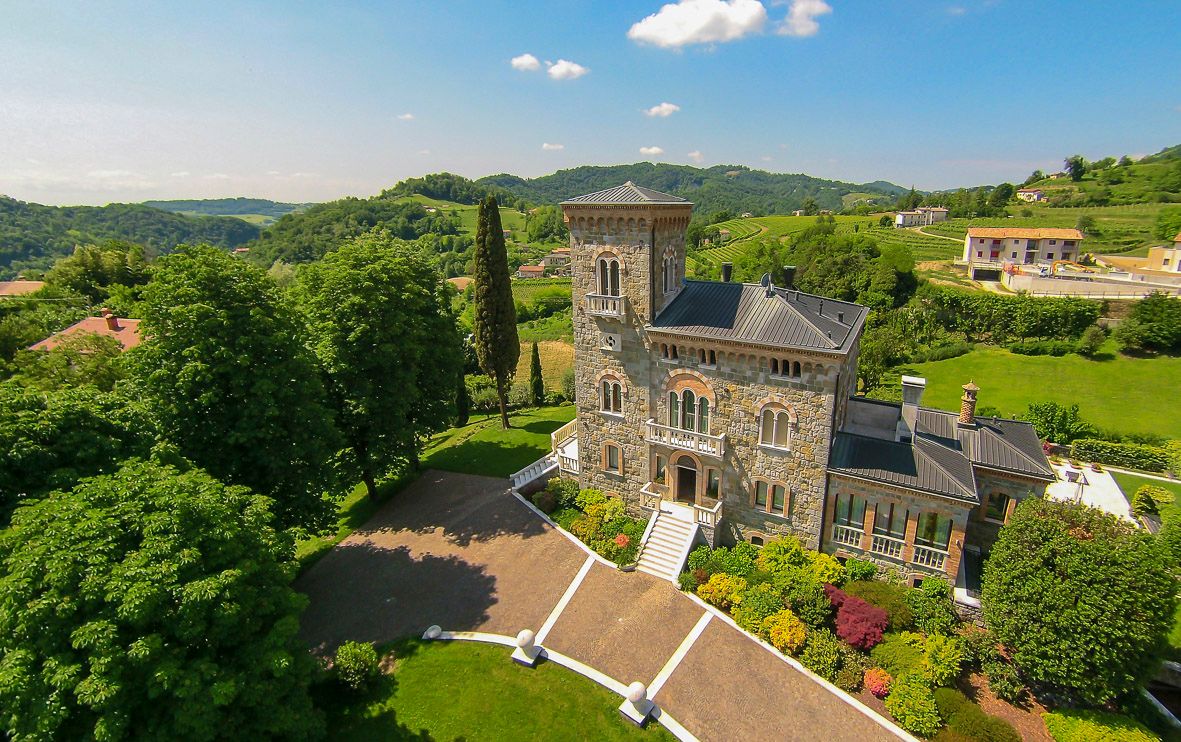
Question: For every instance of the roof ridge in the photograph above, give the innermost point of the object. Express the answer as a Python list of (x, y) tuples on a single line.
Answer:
[(935, 462), (1037, 464), (820, 332)]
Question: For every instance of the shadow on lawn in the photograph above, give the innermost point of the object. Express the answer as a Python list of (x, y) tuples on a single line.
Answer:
[(371, 593), (462, 509)]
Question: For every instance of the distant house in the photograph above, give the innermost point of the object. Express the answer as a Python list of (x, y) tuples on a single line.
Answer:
[(1031, 195), (241, 250), (989, 248), (1165, 258), (431, 210), (798, 212), (531, 271), (126, 331), (20, 288), (507, 233), (723, 234), (923, 216), (747, 215), (555, 259)]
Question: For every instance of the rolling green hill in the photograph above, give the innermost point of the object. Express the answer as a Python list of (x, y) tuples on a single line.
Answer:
[(734, 188), (1152, 179), (259, 211), (32, 236)]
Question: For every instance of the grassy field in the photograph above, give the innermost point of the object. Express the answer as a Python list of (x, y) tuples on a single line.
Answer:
[(556, 356), (525, 290), (468, 691), (1119, 394), (481, 447), (1126, 230)]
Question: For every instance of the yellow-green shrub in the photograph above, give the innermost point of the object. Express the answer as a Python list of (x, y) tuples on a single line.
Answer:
[(721, 590), (785, 632)]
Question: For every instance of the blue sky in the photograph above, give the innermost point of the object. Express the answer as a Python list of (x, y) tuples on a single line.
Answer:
[(309, 100)]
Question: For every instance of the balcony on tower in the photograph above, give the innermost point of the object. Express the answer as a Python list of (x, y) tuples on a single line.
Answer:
[(605, 305)]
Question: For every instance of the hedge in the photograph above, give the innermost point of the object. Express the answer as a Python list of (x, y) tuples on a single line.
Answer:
[(1129, 455), (1073, 725)]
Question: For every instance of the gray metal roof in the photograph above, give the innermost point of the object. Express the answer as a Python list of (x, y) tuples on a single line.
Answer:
[(928, 465), (628, 193), (994, 443), (743, 312)]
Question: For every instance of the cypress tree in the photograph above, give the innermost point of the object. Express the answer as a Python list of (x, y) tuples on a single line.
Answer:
[(495, 325), (463, 403), (536, 383)]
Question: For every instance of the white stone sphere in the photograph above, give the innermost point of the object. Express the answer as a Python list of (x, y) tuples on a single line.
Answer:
[(525, 638), (636, 692), (433, 632)]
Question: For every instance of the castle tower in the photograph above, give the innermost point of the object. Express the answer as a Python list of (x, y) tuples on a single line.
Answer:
[(627, 262)]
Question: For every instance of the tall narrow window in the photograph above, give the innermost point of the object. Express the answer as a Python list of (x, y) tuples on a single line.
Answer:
[(661, 470), (611, 396), (613, 458), (713, 484), (608, 277), (850, 511), (688, 410), (778, 498), (703, 416), (614, 278), (890, 520), (674, 410), (775, 428), (761, 495)]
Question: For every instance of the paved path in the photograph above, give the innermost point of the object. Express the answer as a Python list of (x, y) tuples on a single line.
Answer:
[(458, 551)]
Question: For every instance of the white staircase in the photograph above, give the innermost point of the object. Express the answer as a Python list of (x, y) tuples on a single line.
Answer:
[(668, 543), (547, 464)]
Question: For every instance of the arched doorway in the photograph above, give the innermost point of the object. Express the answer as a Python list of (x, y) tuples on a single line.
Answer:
[(685, 480)]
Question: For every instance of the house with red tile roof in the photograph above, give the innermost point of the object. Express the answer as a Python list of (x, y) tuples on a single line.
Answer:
[(20, 288), (126, 331)]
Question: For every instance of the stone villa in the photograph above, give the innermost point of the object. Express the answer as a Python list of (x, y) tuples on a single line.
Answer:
[(726, 412)]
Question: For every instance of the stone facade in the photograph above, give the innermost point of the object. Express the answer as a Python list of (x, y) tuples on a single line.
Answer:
[(735, 379)]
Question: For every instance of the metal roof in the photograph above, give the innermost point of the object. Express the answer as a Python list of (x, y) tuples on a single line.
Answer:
[(928, 465), (993, 442), (744, 312), (628, 193)]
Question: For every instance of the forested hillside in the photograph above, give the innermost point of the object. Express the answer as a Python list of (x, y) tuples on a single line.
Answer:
[(227, 207), (32, 236), (733, 188)]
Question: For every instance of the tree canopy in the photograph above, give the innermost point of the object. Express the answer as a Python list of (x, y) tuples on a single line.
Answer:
[(379, 320), (1081, 600), (495, 321), (225, 369), (151, 603)]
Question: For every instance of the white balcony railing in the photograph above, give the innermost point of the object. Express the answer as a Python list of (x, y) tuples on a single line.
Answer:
[(568, 464), (559, 436), (604, 306), (707, 516), (649, 497), (711, 445), (924, 556), (847, 535), (887, 546)]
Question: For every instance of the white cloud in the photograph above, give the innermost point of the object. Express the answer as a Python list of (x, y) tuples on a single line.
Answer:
[(651, 151), (218, 176), (525, 63), (956, 10), (564, 69), (273, 172), (696, 156), (180, 174), (699, 22), (801, 18), (552, 147), (424, 151), (406, 117), (765, 158), (664, 110)]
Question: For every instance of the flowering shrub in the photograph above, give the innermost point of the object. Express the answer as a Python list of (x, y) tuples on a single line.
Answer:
[(721, 590), (785, 632), (603, 526), (622, 540), (877, 682), (860, 624)]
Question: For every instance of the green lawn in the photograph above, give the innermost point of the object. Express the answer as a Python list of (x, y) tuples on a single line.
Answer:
[(469, 691), (1121, 394), (481, 447)]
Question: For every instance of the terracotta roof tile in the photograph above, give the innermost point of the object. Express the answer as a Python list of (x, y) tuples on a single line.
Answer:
[(126, 331), (20, 288), (1031, 233)]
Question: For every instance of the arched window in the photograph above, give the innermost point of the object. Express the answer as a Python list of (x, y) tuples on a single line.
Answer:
[(701, 356), (608, 276), (688, 410), (703, 416), (775, 428), (795, 369), (774, 366), (611, 396)]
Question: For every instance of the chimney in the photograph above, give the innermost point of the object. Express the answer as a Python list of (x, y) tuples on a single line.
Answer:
[(912, 396), (112, 320), (727, 272), (968, 405), (789, 276)]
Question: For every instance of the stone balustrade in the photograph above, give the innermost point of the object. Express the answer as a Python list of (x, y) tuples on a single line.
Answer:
[(686, 440), (925, 556), (601, 305)]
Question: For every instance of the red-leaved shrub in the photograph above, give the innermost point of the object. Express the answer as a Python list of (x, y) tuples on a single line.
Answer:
[(860, 624), (877, 682), (835, 595)]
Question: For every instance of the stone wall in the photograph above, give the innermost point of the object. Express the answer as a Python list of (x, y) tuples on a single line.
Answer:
[(875, 494), (983, 533)]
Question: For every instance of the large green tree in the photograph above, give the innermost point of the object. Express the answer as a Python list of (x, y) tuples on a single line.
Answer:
[(536, 381), (378, 315), (151, 603), (1081, 600), (50, 440), (95, 270), (1076, 167), (495, 321), (225, 368)]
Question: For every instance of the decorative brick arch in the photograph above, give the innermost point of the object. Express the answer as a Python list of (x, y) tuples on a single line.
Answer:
[(687, 378), (676, 456), (777, 402), (612, 375)]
